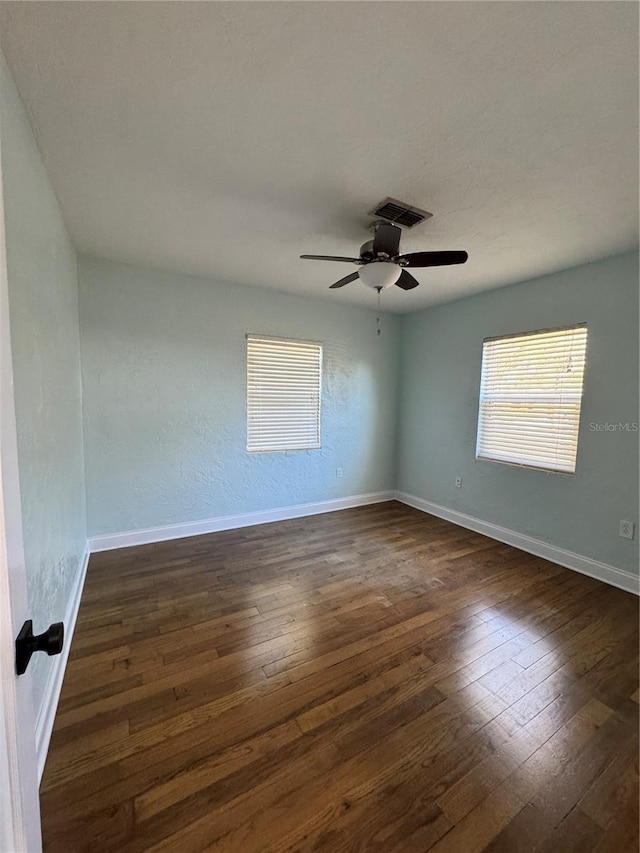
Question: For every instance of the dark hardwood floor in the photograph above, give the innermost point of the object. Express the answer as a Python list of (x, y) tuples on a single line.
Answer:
[(375, 680)]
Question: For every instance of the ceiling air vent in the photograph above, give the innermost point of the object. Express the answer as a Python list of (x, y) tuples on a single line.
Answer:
[(400, 213)]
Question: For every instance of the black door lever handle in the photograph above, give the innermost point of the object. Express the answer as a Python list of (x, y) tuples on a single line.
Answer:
[(51, 642)]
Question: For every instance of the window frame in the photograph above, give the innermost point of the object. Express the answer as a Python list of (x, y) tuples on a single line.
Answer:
[(281, 339), (530, 464)]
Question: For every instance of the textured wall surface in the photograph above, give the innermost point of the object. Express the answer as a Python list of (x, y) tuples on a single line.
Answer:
[(43, 299), (440, 369), (164, 360)]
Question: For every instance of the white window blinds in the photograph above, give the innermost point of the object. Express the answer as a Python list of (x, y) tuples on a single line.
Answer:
[(530, 398), (284, 380)]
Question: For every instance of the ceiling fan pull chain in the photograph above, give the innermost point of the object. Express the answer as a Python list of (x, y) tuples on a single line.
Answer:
[(378, 329)]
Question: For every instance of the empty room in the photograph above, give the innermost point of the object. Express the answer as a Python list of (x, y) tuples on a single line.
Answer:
[(319, 380)]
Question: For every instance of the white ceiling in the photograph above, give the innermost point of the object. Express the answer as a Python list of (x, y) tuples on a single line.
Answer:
[(226, 139)]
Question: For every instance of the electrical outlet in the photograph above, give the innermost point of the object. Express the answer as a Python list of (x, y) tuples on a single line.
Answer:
[(458, 482), (338, 472), (626, 529)]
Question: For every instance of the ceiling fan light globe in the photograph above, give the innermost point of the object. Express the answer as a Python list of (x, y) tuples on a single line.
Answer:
[(379, 274)]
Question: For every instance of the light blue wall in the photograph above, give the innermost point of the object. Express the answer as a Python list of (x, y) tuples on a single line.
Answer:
[(43, 307), (163, 362), (440, 370)]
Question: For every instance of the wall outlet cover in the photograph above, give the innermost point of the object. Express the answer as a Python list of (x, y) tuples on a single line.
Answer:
[(626, 529)]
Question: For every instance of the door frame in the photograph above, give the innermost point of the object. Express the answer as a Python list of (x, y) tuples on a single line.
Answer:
[(19, 800)]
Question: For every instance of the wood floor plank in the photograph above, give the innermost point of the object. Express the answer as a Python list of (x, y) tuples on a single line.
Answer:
[(375, 679)]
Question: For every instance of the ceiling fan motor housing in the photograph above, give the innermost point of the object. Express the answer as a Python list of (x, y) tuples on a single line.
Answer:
[(366, 251)]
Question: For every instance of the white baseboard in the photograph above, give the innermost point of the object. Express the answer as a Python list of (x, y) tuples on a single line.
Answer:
[(111, 541), (47, 713), (585, 565)]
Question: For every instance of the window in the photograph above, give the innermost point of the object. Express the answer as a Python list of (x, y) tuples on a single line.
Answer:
[(530, 398), (284, 380)]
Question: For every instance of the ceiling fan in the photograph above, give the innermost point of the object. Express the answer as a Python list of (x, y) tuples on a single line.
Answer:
[(381, 263)]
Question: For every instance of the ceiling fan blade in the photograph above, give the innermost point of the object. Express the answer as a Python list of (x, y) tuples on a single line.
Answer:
[(407, 281), (387, 239), (331, 258), (345, 280), (432, 259)]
